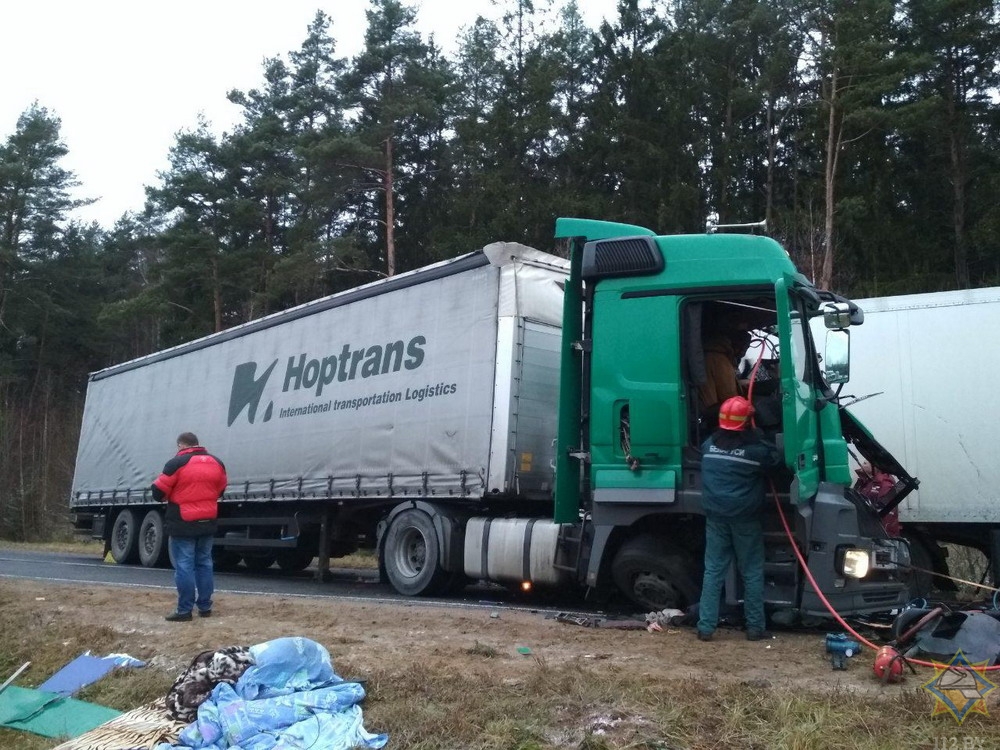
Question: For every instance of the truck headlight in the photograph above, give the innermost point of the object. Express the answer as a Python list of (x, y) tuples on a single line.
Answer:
[(855, 563)]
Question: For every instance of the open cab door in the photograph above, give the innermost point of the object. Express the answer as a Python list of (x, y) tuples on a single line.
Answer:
[(797, 369)]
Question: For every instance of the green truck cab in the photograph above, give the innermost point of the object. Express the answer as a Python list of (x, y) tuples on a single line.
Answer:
[(630, 422)]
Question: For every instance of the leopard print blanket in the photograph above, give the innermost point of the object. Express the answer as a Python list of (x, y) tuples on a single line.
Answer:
[(207, 670)]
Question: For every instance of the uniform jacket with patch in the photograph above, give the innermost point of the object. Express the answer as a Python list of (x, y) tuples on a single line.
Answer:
[(191, 483), (732, 479)]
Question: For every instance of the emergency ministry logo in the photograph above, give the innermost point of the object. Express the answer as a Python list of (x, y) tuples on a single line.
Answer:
[(960, 688)]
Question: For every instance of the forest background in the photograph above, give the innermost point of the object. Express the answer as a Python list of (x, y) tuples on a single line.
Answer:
[(866, 133)]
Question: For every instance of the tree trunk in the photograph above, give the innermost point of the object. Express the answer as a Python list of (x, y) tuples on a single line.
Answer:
[(216, 295), (958, 180), (832, 152), (390, 235), (769, 187)]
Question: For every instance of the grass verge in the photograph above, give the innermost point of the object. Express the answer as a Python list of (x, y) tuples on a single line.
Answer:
[(460, 700)]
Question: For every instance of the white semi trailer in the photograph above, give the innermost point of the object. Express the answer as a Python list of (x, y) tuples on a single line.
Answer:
[(925, 368), (440, 384)]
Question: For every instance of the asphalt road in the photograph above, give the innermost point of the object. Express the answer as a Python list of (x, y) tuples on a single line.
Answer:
[(354, 585)]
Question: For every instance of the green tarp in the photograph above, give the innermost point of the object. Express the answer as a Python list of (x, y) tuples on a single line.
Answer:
[(49, 714)]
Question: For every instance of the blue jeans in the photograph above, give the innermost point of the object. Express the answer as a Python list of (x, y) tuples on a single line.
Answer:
[(726, 538), (192, 557)]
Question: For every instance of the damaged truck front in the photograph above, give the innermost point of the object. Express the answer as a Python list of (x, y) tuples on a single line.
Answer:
[(631, 425)]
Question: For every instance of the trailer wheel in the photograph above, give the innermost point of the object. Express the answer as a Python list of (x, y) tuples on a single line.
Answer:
[(258, 562), (295, 560), (125, 538), (152, 541), (652, 578), (411, 554)]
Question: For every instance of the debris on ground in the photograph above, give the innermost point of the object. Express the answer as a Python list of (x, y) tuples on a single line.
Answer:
[(49, 710), (281, 693)]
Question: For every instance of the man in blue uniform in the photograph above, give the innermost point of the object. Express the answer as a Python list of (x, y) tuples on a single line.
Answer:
[(734, 463)]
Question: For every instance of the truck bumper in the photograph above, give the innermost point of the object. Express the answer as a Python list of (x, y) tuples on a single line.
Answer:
[(838, 524)]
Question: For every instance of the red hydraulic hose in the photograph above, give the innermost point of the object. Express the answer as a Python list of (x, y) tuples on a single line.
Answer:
[(836, 615), (812, 581)]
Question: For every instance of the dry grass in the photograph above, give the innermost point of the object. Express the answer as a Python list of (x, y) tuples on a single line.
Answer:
[(471, 690), (969, 564), (359, 559), (71, 545)]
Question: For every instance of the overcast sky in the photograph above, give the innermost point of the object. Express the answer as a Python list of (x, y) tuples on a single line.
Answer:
[(125, 75)]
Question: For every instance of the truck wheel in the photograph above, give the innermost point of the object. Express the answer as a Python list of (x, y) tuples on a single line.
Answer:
[(411, 554), (258, 562), (652, 578), (125, 538), (152, 541), (225, 559), (292, 561)]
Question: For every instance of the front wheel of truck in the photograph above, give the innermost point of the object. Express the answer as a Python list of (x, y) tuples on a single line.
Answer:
[(411, 554), (652, 577), (125, 537)]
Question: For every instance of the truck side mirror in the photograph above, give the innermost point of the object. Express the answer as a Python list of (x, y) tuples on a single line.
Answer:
[(837, 360), (837, 315)]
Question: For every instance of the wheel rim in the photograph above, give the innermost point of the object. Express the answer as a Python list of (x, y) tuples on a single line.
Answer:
[(121, 535), (149, 539), (411, 553), (656, 589)]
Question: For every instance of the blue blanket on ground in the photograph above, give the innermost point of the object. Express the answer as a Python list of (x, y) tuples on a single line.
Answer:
[(290, 698)]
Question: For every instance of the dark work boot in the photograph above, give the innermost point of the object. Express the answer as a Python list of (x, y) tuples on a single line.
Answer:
[(178, 617)]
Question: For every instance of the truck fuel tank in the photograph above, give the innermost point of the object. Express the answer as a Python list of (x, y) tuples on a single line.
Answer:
[(514, 550)]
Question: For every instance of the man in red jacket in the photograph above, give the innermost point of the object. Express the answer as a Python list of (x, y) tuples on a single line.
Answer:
[(191, 484)]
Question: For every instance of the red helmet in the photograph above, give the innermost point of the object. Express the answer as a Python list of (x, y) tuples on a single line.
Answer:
[(735, 413), (888, 665)]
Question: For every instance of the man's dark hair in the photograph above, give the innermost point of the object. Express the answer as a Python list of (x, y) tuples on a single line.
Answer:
[(187, 439)]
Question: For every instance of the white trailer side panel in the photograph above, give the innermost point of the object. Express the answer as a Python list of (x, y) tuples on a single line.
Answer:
[(933, 357), (374, 393)]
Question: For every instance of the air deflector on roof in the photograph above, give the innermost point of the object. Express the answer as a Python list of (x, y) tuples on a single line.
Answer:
[(621, 256)]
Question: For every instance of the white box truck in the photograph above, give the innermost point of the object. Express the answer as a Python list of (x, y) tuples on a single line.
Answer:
[(925, 367)]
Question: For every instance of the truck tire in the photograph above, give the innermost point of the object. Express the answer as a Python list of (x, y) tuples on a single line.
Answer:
[(225, 560), (411, 554), (125, 537), (652, 578), (294, 560), (258, 562), (152, 541)]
